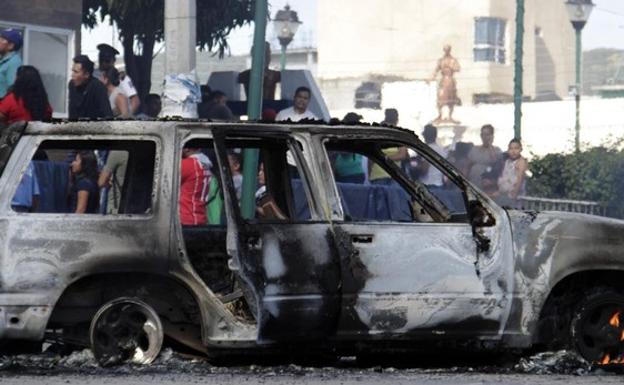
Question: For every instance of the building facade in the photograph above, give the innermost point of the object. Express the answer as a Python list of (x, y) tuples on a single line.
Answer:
[(51, 31), (371, 40)]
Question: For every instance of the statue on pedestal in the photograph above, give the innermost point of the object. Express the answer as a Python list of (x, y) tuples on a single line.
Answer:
[(447, 87)]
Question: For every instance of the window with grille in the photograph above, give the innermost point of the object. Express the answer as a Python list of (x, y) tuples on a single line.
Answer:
[(489, 40)]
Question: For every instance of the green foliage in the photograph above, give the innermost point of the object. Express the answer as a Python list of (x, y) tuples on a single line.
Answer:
[(596, 174), (141, 24), (144, 19)]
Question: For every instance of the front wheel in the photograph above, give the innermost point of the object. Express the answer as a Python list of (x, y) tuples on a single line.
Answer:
[(597, 327), (126, 330)]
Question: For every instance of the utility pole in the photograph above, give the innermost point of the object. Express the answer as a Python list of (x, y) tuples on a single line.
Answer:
[(180, 40), (518, 71), (180, 36), (254, 109)]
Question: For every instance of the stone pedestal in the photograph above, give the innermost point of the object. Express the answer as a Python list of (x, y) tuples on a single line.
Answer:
[(450, 133)]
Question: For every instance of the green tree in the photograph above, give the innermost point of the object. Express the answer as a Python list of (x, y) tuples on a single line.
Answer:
[(595, 174), (141, 25)]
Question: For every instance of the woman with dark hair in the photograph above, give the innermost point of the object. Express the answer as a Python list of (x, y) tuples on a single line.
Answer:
[(27, 98), (84, 194), (118, 100)]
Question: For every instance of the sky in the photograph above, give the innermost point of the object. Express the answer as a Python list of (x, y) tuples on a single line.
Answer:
[(605, 28)]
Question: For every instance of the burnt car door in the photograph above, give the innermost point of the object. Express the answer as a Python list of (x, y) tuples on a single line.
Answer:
[(283, 250), (412, 262)]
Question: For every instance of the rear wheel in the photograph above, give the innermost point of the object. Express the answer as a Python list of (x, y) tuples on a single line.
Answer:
[(597, 327), (126, 330)]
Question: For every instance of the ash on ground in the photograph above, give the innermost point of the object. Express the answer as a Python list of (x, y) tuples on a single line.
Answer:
[(560, 362), (169, 361)]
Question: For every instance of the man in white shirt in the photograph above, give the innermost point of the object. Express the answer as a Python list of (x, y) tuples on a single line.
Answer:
[(128, 89), (299, 110)]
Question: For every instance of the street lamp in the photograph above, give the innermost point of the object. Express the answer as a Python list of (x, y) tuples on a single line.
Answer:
[(286, 24), (579, 11)]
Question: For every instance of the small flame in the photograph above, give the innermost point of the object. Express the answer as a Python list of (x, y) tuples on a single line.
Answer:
[(615, 320)]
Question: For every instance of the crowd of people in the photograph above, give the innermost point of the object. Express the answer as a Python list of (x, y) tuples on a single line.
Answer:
[(103, 92), (107, 92), (501, 175)]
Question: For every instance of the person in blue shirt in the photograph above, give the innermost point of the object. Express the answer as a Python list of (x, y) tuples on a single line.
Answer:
[(84, 195), (27, 193), (10, 43)]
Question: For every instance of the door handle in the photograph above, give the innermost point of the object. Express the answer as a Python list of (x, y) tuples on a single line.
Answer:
[(361, 238), (254, 243)]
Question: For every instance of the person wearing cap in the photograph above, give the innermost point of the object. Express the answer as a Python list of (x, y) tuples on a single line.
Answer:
[(88, 97), (10, 43), (106, 59)]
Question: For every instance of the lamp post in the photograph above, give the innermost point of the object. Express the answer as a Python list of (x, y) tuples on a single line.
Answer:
[(254, 109), (286, 24), (579, 11)]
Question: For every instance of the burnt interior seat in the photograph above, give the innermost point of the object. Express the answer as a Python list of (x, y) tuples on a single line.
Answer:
[(205, 247)]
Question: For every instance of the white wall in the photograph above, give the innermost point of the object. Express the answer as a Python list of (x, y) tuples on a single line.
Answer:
[(547, 127)]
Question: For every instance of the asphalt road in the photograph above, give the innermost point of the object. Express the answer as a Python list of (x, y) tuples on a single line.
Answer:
[(172, 368), (311, 379)]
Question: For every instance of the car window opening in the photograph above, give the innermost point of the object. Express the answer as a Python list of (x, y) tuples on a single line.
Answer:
[(392, 182), (88, 177)]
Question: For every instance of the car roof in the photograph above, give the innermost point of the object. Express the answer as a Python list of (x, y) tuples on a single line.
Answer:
[(139, 127)]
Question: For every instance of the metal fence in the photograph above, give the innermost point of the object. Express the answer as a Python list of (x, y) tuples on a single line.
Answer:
[(544, 204)]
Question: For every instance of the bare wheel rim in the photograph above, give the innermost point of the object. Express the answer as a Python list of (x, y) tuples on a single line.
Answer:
[(126, 330), (599, 333)]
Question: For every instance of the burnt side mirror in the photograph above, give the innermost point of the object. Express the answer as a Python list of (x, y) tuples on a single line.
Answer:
[(480, 216)]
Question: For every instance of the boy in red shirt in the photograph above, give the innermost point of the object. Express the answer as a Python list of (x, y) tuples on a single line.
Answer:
[(194, 185)]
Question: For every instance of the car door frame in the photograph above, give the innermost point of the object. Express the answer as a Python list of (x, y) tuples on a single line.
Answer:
[(293, 304), (492, 243)]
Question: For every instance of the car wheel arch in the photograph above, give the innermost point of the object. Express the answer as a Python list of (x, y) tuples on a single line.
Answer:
[(561, 299), (169, 297)]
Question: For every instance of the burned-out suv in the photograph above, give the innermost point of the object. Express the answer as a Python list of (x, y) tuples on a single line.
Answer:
[(309, 258)]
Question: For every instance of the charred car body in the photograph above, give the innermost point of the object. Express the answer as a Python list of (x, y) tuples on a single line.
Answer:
[(338, 265)]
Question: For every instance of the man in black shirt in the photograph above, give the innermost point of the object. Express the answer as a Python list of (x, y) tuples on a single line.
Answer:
[(88, 97)]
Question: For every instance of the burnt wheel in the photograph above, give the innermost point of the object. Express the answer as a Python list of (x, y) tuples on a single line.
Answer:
[(597, 327), (126, 330)]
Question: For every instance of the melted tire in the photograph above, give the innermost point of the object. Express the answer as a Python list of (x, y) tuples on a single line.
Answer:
[(593, 330), (126, 330)]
